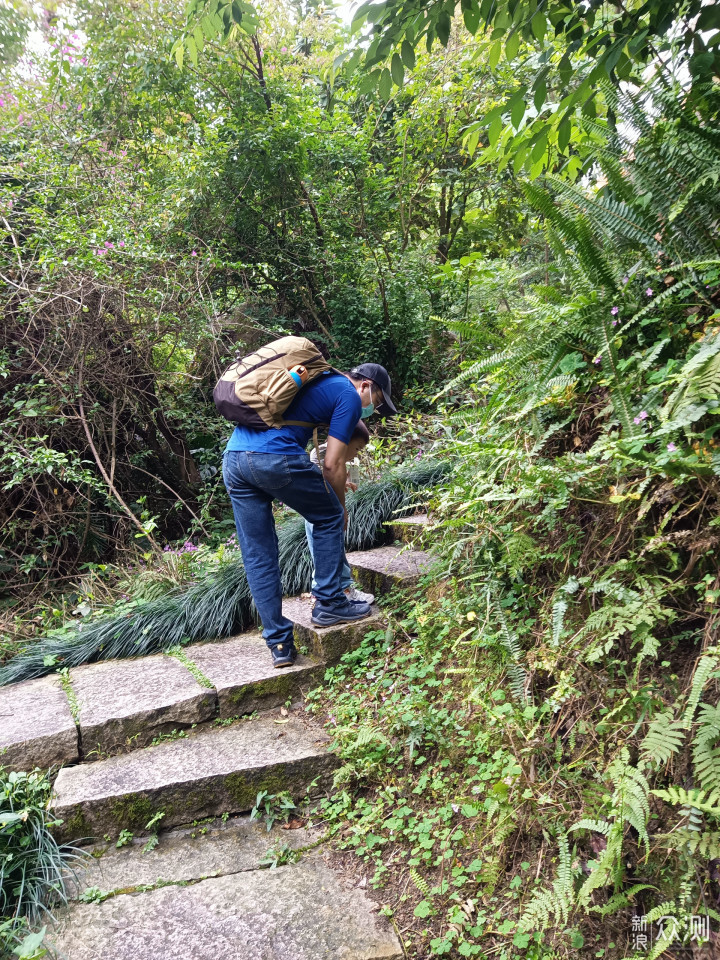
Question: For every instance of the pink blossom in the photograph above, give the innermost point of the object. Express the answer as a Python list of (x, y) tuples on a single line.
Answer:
[(641, 416), (121, 243), (193, 253), (283, 49), (649, 292), (597, 360), (615, 311), (626, 279), (671, 447), (614, 323), (20, 118), (109, 244)]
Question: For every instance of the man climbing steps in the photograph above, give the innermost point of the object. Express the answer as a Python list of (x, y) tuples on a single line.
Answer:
[(262, 465)]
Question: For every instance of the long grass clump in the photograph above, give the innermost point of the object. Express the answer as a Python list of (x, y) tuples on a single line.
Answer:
[(33, 866), (220, 604)]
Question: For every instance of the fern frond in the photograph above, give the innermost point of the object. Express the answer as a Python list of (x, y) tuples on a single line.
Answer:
[(664, 738), (706, 747), (704, 800), (705, 667)]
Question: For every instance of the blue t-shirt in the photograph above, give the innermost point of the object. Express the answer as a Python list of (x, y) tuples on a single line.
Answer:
[(330, 399)]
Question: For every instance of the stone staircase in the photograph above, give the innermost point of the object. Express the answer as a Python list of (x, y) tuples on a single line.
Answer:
[(197, 734)]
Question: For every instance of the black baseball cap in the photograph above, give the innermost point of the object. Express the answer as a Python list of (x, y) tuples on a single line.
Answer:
[(381, 379)]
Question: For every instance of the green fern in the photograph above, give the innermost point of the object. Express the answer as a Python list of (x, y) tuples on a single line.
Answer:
[(664, 738), (706, 747), (554, 903), (706, 801), (704, 669)]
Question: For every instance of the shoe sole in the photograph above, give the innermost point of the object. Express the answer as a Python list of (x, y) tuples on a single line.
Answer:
[(284, 663), (335, 620)]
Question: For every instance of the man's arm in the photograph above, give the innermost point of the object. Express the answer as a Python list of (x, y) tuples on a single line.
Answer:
[(334, 469)]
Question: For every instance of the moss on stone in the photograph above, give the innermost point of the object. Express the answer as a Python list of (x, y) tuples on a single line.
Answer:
[(132, 812)]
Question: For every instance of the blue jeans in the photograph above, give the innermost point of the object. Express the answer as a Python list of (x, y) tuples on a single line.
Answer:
[(346, 580), (253, 481)]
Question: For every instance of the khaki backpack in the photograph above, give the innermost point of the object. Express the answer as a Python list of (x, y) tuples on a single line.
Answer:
[(256, 390)]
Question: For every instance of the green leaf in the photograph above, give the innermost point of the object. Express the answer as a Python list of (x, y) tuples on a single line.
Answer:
[(472, 141), (179, 51), (443, 28), (471, 16), (369, 82), (539, 147), (385, 85), (563, 138), (512, 45), (494, 55), (494, 130), (539, 26), (236, 11), (422, 910), (407, 52), (191, 49), (517, 112), (397, 70)]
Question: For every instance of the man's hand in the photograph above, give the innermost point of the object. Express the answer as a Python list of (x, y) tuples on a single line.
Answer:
[(349, 485)]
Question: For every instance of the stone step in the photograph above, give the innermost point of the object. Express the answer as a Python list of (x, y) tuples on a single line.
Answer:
[(295, 912), (206, 773), (123, 704), (241, 672), (410, 530), (328, 643), (379, 571), (182, 855), (37, 728)]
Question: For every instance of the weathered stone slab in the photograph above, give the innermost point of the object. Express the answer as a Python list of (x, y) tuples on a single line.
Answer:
[(328, 643), (36, 725), (210, 772), (210, 850), (379, 570), (129, 702), (242, 673), (409, 529), (298, 912)]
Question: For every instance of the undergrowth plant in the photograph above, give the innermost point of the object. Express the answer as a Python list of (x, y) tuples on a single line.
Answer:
[(33, 867)]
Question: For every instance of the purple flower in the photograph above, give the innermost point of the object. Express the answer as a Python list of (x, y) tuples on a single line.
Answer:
[(283, 49), (615, 323), (121, 243), (597, 360), (671, 447), (626, 279), (193, 253), (615, 311), (641, 416), (649, 292), (109, 244)]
